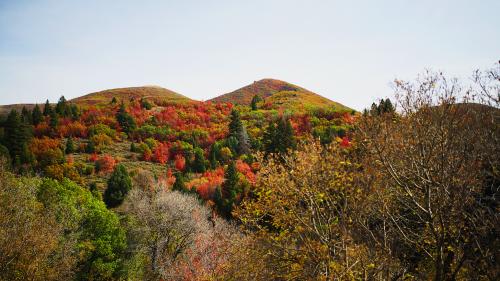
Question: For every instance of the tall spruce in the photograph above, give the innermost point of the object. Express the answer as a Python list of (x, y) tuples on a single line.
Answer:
[(26, 116), (17, 137), (280, 138), (62, 107), (230, 190), (256, 99), (47, 108), (36, 115), (119, 184), (238, 132)]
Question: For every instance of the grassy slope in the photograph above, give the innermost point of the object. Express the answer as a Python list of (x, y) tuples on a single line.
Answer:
[(278, 92), (104, 97), (125, 94)]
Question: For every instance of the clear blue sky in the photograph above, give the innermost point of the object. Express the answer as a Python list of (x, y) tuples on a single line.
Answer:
[(348, 51)]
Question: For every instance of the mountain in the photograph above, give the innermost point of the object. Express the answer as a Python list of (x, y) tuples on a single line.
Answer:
[(279, 94), (153, 93), (149, 92)]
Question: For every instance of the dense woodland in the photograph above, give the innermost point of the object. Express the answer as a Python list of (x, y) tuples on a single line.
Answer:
[(149, 189)]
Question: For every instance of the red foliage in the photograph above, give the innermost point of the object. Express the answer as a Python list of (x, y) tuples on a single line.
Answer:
[(160, 153), (207, 183), (245, 169), (345, 142), (93, 157), (74, 129), (180, 162), (106, 164)]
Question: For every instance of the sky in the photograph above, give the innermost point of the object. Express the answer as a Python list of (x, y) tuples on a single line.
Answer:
[(348, 51)]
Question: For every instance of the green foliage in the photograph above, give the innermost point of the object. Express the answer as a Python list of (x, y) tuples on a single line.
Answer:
[(199, 163), (119, 184), (256, 99), (36, 115), (100, 240), (101, 129), (125, 120), (70, 146), (179, 184), (17, 137), (238, 134), (384, 106), (47, 109), (278, 139), (226, 198), (54, 120)]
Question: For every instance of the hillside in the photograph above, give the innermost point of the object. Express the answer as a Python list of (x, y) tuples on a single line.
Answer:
[(153, 93), (149, 92), (279, 94)]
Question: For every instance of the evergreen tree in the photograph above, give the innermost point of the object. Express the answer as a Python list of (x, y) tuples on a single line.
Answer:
[(54, 120), (256, 99), (62, 107), (90, 147), (269, 139), (238, 131), (388, 107), (70, 146), (47, 109), (199, 162), (75, 112), (17, 137), (26, 116), (113, 101), (179, 184), (284, 138), (278, 139), (230, 190), (235, 126), (36, 115), (119, 184), (214, 155), (126, 121)]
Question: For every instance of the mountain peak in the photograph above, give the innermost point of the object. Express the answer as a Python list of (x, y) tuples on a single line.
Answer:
[(277, 92)]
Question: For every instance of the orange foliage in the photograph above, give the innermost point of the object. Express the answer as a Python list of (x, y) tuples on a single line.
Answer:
[(180, 162), (245, 169), (106, 164), (160, 153)]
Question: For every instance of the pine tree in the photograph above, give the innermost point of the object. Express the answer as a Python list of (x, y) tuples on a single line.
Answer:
[(47, 108), (70, 146), (36, 115), (238, 132), (126, 121), (199, 162), (26, 116), (256, 99), (269, 139), (213, 155), (54, 120), (62, 107), (17, 136), (75, 112), (119, 184), (284, 138), (179, 184), (278, 139), (230, 189)]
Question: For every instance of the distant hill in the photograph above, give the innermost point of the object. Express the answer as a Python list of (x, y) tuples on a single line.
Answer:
[(125, 94), (152, 93), (279, 93)]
